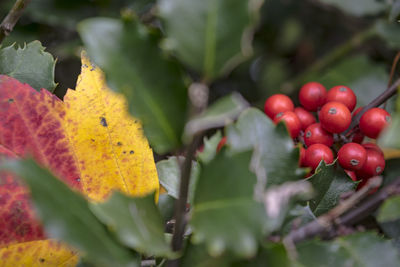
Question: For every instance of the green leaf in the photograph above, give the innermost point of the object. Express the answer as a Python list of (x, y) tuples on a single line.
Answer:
[(136, 222), (166, 206), (169, 174), (361, 249), (389, 217), (394, 11), (392, 170), (197, 256), (220, 113), (390, 210), (366, 78), (278, 156), (355, 8), (210, 36), (134, 65), (271, 254), (389, 32), (225, 215), (210, 148), (279, 200), (329, 182), (390, 137), (75, 223), (30, 64)]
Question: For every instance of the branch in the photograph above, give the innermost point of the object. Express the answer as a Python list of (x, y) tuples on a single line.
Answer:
[(382, 98), (343, 214), (7, 25)]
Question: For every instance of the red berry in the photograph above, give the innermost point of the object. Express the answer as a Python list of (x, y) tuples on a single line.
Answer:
[(312, 96), (374, 165), (352, 175), (374, 121), (292, 122), (352, 156), (342, 94), (317, 152), (276, 104), (221, 143), (302, 156), (315, 134), (306, 118), (373, 147), (335, 117)]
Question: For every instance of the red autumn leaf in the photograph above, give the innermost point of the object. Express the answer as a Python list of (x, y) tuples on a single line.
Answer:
[(17, 220)]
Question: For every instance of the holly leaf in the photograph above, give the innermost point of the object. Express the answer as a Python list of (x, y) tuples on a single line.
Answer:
[(169, 174), (227, 218), (197, 256), (93, 147), (353, 7), (76, 225), (210, 148), (395, 10), (29, 64), (360, 249), (329, 182), (217, 115), (152, 84), (136, 222), (270, 254), (389, 217), (388, 32), (201, 42), (278, 156)]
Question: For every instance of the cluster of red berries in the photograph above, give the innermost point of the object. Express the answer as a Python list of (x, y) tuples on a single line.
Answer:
[(333, 109)]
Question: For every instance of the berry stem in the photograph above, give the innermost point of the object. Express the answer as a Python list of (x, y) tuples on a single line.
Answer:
[(8, 23), (382, 98)]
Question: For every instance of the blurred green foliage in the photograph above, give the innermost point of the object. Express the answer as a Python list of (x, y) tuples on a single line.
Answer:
[(291, 36)]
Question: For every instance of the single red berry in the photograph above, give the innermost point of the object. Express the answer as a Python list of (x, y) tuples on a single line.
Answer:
[(317, 152), (315, 134), (352, 156), (342, 94), (352, 175), (276, 104), (292, 122), (335, 117), (374, 165), (221, 143), (373, 147), (374, 121), (312, 96), (306, 118)]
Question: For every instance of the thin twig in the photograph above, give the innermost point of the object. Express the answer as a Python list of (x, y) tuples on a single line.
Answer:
[(7, 25), (382, 98), (180, 204), (345, 213), (393, 68), (325, 222)]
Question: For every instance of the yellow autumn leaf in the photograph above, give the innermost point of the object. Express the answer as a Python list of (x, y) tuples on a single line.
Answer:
[(109, 144), (43, 253), (107, 151)]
